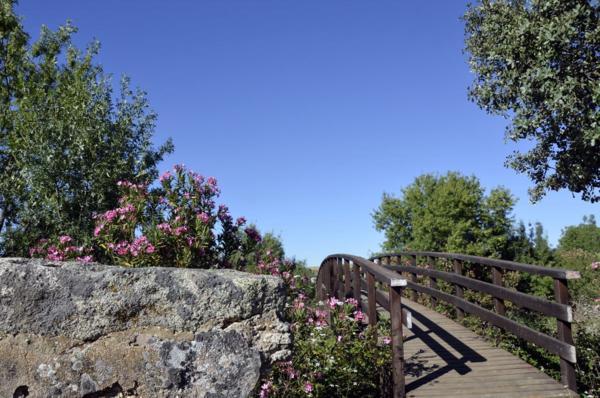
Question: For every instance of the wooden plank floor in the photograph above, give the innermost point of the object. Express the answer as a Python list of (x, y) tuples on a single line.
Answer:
[(445, 359)]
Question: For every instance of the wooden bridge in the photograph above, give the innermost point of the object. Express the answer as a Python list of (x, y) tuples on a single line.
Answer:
[(437, 356)]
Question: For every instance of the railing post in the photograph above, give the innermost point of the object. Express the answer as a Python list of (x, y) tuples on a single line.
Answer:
[(372, 313), (327, 279), (397, 343), (458, 289), (347, 281), (567, 369), (497, 280), (340, 267), (432, 281), (335, 277), (413, 278), (356, 283)]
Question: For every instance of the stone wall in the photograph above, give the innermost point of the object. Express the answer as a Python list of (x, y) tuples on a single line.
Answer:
[(75, 330)]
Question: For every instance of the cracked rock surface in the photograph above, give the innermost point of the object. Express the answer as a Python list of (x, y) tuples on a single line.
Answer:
[(75, 330)]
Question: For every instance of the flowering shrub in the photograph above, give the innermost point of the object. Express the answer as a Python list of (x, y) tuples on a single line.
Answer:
[(334, 354), (61, 249), (175, 224)]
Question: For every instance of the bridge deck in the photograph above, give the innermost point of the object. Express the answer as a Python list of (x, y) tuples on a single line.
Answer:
[(445, 359)]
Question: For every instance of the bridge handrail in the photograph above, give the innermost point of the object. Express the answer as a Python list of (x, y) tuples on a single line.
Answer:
[(563, 345), (557, 273)]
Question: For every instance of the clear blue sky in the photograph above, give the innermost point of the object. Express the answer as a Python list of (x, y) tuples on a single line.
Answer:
[(307, 111)]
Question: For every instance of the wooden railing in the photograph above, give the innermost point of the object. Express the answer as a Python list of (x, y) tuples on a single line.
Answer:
[(344, 276), (424, 265)]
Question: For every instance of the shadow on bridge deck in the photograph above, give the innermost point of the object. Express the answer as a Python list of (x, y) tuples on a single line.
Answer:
[(445, 359)]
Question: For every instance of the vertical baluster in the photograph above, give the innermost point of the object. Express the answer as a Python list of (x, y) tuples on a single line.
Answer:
[(372, 314), (413, 278), (497, 280), (347, 281), (335, 277), (397, 343), (567, 369), (432, 281), (327, 279), (356, 279), (458, 289), (340, 289)]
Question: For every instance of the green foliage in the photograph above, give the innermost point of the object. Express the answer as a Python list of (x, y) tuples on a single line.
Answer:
[(65, 140), (334, 355), (448, 213), (537, 62), (585, 236), (587, 288), (587, 338), (175, 224)]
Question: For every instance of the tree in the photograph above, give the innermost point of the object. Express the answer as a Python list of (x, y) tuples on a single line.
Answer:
[(65, 140), (585, 236), (538, 63), (448, 213)]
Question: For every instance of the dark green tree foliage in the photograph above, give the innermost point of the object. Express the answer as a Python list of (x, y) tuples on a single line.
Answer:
[(585, 236), (538, 63), (65, 140), (449, 213)]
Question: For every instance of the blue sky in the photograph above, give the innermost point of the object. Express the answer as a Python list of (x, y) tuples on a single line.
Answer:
[(307, 111)]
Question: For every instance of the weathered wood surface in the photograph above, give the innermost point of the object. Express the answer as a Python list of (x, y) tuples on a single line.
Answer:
[(445, 359)]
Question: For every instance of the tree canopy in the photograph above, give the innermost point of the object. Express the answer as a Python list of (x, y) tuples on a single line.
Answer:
[(66, 138), (447, 213), (538, 63), (585, 236)]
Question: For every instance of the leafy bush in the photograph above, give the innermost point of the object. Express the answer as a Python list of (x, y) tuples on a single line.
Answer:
[(175, 224), (334, 354)]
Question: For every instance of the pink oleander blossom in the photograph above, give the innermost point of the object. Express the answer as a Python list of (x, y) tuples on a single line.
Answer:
[(65, 239), (308, 387), (203, 217), (164, 227), (333, 302), (359, 315), (265, 389), (85, 259), (180, 230), (352, 301), (596, 265), (166, 176), (387, 340), (98, 229)]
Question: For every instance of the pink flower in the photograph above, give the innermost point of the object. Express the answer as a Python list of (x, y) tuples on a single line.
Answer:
[(339, 338), (65, 239), (85, 259), (596, 265), (353, 302), (166, 176), (190, 241), (240, 221), (179, 167), (333, 302), (265, 389), (150, 249), (203, 217), (359, 315), (98, 229), (180, 230), (308, 388), (164, 227), (597, 300), (110, 215), (387, 340)]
